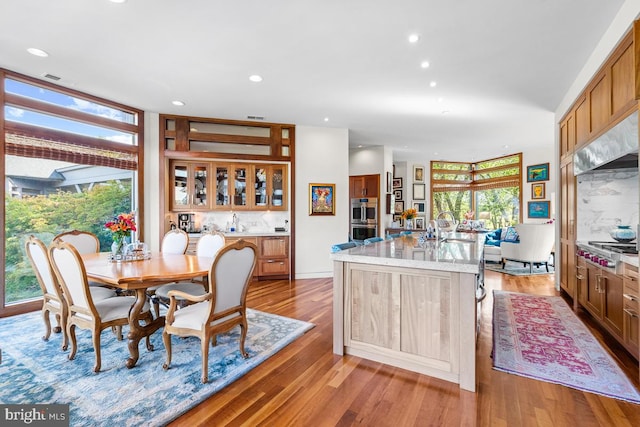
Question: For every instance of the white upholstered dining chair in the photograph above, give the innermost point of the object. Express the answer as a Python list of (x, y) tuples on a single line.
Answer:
[(176, 242), (53, 301), (208, 246), (84, 241), (220, 309), (83, 310)]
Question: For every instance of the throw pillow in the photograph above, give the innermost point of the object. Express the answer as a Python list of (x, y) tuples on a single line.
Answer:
[(511, 235)]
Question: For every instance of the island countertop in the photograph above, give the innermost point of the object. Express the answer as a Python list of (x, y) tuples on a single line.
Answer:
[(460, 252)]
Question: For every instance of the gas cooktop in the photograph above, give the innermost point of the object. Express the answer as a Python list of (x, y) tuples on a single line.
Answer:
[(623, 248)]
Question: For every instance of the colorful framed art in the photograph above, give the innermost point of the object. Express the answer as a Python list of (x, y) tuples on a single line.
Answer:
[(538, 209), (321, 199), (538, 172)]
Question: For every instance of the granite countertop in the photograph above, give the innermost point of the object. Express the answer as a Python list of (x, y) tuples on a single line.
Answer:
[(407, 251)]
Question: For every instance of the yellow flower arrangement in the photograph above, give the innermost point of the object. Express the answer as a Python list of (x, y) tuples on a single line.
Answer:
[(409, 213)]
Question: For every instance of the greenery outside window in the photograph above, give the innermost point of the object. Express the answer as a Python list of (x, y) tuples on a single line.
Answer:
[(71, 161), (488, 190)]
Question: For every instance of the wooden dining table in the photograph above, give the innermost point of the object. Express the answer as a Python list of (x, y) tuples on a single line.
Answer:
[(137, 276)]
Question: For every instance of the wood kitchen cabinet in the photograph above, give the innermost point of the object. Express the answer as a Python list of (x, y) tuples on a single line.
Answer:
[(600, 292), (364, 186), (567, 255), (631, 310), (269, 187), (273, 256), (190, 186)]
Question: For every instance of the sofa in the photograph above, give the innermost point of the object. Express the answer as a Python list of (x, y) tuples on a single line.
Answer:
[(493, 241)]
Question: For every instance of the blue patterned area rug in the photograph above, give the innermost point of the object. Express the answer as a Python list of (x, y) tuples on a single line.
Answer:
[(38, 372)]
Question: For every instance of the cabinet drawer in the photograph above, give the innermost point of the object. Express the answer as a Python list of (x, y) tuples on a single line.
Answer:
[(274, 247), (273, 267)]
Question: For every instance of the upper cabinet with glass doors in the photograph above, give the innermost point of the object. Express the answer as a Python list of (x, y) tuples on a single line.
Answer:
[(231, 186), (190, 186), (270, 187)]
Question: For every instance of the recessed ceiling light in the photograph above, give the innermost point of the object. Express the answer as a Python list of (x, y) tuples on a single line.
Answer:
[(506, 146), (117, 1), (326, 119), (424, 64), (255, 78), (433, 84), (445, 111), (440, 99), (413, 38), (178, 103), (360, 146), (37, 52)]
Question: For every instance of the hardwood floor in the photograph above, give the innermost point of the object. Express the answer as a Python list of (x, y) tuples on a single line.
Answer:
[(305, 384)]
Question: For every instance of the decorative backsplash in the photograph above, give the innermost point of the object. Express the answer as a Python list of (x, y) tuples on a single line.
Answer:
[(606, 199), (258, 222)]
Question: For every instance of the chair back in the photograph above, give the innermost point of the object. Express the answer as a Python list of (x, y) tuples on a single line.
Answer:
[(209, 244), (175, 242), (536, 241), (342, 246), (230, 275), (72, 276), (83, 241), (39, 259)]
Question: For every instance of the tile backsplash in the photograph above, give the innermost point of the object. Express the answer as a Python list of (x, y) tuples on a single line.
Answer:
[(606, 199)]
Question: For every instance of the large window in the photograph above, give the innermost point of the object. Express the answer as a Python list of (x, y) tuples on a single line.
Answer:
[(489, 189), (71, 161)]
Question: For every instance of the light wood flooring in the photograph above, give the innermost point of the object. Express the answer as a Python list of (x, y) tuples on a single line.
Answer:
[(305, 384)]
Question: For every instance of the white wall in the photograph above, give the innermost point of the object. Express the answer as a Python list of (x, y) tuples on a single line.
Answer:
[(151, 179), (322, 156)]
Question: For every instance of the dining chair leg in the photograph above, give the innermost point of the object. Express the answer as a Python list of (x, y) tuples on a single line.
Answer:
[(71, 332), (205, 359), (96, 347), (47, 324), (63, 328), (166, 338), (58, 327), (243, 336)]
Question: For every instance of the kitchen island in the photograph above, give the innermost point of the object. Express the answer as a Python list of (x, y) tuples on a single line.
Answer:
[(411, 303)]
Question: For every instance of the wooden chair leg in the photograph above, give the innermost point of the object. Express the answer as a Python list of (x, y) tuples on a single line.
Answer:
[(71, 332), (204, 343), (96, 348), (47, 324), (166, 338)]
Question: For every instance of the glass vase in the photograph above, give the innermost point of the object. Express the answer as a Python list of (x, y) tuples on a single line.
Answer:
[(118, 249)]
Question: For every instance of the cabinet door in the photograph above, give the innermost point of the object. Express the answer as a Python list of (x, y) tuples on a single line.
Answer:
[(274, 247), (567, 224), (278, 181), (200, 184), (260, 186), (356, 187), (593, 297), (371, 184), (612, 309), (583, 127), (223, 197), (599, 99), (240, 174), (190, 186), (180, 178), (631, 310), (582, 276)]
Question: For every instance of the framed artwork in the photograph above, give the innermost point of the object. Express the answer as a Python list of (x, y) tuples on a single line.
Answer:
[(420, 221), (398, 207), (389, 182), (397, 182), (321, 199), (537, 191), (397, 194), (389, 203), (418, 191), (399, 219), (538, 209), (418, 206), (538, 172), (418, 173)]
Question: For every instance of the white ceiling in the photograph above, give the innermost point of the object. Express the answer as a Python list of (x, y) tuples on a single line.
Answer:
[(501, 66)]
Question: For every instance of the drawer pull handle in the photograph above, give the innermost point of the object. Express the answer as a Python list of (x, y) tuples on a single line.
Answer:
[(630, 297), (631, 312)]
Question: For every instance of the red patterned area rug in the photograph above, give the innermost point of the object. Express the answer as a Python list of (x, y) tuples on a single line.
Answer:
[(540, 337)]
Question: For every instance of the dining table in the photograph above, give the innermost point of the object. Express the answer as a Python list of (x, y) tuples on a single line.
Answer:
[(138, 275)]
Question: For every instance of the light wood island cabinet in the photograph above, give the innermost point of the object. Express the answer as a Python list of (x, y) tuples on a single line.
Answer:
[(410, 305)]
